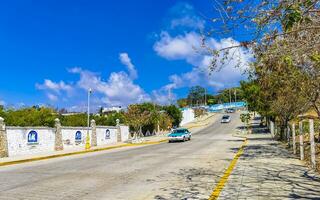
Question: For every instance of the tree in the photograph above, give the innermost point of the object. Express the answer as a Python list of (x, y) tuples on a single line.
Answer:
[(33, 116), (175, 113), (165, 121), (137, 117), (182, 103), (196, 95)]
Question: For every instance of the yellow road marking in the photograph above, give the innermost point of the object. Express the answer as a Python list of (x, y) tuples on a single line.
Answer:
[(78, 152), (223, 180)]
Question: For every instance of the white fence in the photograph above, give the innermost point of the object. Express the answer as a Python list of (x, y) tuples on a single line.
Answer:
[(19, 141)]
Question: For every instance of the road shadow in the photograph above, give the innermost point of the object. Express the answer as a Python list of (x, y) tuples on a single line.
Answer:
[(269, 171), (190, 184)]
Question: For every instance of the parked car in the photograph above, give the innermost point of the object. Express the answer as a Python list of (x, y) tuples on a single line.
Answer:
[(180, 134), (225, 119), (230, 110)]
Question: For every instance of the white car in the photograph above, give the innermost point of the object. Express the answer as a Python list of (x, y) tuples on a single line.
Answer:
[(225, 119), (180, 134)]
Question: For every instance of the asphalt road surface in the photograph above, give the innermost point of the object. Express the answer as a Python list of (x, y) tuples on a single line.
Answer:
[(182, 170)]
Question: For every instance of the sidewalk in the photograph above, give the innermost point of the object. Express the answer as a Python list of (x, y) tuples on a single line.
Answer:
[(266, 170)]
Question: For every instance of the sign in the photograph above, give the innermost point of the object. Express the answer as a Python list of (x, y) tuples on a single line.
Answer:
[(78, 136), (33, 137), (107, 134)]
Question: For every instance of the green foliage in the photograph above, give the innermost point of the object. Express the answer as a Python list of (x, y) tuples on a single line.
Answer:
[(110, 119), (74, 120), (182, 103), (245, 117), (196, 95), (29, 117), (175, 113)]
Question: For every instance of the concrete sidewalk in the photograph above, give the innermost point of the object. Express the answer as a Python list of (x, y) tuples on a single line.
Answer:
[(266, 170)]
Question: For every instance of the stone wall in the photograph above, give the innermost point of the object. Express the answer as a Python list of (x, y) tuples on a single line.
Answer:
[(19, 141)]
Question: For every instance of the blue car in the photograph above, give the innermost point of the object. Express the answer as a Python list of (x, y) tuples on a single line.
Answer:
[(180, 134)]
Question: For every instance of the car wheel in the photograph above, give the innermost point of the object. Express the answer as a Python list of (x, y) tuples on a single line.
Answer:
[(189, 138), (184, 139)]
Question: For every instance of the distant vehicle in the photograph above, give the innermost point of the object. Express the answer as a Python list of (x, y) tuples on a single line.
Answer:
[(230, 110), (180, 134), (225, 119)]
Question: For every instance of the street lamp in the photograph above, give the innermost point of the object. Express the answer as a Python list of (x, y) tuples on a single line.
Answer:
[(88, 122)]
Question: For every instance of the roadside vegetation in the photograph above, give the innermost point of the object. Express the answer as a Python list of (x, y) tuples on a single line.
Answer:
[(284, 74), (198, 95), (142, 118)]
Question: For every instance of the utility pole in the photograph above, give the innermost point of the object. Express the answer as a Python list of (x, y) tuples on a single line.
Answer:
[(205, 96), (170, 96), (88, 122), (230, 95)]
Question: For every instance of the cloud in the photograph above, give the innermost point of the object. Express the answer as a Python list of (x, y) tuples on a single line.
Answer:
[(52, 97), (188, 47), (163, 96), (2, 103), (53, 86), (119, 89), (183, 16), (125, 59)]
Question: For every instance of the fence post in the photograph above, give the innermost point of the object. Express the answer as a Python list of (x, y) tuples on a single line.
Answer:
[(3, 139), (58, 146), (118, 131), (288, 135), (312, 145), (301, 141), (272, 129), (294, 138), (93, 133)]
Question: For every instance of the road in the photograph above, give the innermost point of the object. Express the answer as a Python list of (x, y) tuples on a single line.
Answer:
[(184, 170)]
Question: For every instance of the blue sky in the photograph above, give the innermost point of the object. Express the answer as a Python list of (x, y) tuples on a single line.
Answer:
[(126, 51)]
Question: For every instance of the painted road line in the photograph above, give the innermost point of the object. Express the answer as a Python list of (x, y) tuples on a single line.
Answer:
[(78, 152), (223, 180)]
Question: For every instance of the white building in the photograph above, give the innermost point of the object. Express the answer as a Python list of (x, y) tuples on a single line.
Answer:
[(112, 109)]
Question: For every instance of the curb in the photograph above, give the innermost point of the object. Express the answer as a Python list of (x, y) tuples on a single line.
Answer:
[(78, 152), (199, 125), (223, 180)]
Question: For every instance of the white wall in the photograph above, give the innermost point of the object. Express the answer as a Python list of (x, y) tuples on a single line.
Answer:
[(124, 133), (101, 135), (69, 139), (187, 116), (18, 140), (18, 145)]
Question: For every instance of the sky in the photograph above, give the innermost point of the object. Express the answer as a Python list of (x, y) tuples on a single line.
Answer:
[(52, 52)]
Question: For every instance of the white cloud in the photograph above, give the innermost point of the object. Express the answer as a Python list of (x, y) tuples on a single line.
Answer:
[(53, 86), (163, 96), (52, 97), (125, 59), (119, 89), (2, 103), (183, 15), (188, 47)]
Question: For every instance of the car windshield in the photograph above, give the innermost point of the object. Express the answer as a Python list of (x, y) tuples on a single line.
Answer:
[(225, 117), (179, 131)]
